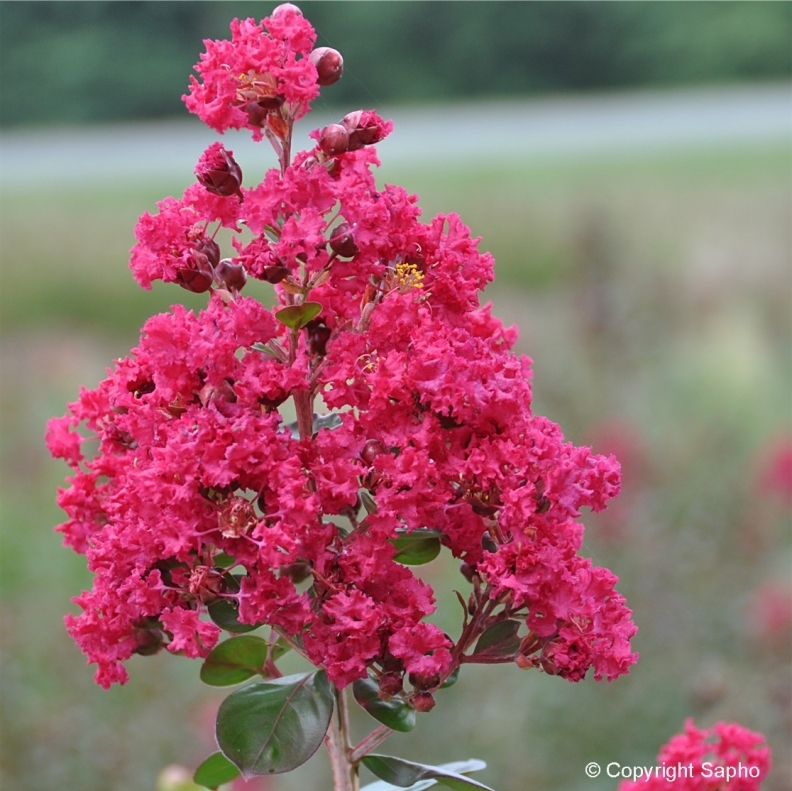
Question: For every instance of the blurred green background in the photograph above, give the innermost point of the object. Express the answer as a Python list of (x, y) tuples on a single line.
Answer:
[(652, 287)]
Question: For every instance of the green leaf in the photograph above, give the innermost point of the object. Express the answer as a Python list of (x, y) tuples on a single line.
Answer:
[(394, 713), (405, 774), (417, 548), (215, 771), (369, 503), (234, 661), (297, 316), (223, 560), (260, 347), (498, 640), (270, 727), (459, 767), (225, 612)]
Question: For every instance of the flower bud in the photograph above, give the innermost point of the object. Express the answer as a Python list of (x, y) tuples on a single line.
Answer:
[(334, 140), (329, 65), (231, 275), (487, 542), (197, 278), (365, 127), (258, 110), (342, 242), (371, 449), (218, 171), (525, 662), (467, 571), (148, 639), (284, 8), (208, 247), (318, 336), (274, 274), (423, 701), (390, 684), (297, 572)]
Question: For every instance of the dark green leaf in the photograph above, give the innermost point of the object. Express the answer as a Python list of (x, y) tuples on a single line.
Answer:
[(297, 316), (406, 773), (215, 771), (225, 612), (234, 661), (394, 713), (270, 727), (500, 639), (417, 548), (459, 767)]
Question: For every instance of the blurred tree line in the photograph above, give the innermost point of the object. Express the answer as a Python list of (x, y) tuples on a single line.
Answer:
[(81, 62)]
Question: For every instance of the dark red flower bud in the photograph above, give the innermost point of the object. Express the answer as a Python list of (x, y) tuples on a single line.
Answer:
[(209, 248), (487, 542), (365, 127), (274, 274), (334, 140), (258, 110), (318, 336), (231, 275), (549, 667), (342, 242), (329, 65), (297, 572), (468, 571), (197, 278), (218, 171), (423, 701), (390, 684), (372, 449)]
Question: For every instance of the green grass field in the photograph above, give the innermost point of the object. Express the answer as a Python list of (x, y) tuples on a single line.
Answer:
[(652, 292)]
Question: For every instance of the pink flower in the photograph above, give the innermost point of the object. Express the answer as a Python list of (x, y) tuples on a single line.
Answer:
[(258, 79), (63, 443), (775, 473), (423, 649), (727, 757)]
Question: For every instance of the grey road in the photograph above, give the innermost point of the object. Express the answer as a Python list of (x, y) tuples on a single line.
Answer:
[(541, 129)]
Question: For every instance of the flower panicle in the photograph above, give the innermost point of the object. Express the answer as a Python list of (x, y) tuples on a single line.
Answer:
[(200, 495)]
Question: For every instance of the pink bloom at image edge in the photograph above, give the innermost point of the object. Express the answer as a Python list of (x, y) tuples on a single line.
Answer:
[(432, 424), (726, 757)]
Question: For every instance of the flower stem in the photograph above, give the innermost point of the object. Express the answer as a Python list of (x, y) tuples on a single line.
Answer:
[(345, 773), (369, 743)]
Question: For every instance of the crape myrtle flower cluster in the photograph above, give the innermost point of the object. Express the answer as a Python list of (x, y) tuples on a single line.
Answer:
[(190, 491), (726, 757)]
